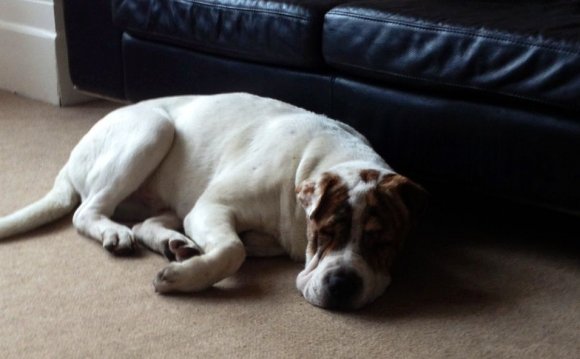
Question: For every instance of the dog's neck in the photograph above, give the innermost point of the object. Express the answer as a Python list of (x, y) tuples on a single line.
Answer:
[(344, 162)]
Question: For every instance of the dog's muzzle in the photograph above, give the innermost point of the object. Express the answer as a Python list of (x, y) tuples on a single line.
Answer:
[(337, 287)]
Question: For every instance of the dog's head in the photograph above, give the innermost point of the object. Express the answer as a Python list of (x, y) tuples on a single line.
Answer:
[(356, 223)]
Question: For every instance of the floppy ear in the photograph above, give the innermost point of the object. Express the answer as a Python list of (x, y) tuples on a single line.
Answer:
[(413, 196), (307, 196), (321, 196)]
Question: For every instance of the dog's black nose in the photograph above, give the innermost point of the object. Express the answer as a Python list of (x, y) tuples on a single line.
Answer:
[(343, 286)]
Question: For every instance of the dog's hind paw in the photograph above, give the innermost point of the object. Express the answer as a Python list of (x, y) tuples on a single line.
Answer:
[(119, 241)]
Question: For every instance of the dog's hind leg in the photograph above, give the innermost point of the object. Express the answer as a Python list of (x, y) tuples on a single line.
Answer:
[(160, 234), (110, 163)]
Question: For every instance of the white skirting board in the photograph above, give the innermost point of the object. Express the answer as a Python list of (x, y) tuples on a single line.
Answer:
[(32, 62)]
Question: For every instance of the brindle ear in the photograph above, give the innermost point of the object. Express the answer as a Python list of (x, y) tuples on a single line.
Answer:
[(413, 195), (321, 196), (307, 197)]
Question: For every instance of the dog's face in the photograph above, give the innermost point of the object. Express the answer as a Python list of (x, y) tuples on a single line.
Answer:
[(356, 223)]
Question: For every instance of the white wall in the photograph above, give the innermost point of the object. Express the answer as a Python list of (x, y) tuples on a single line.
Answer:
[(33, 52)]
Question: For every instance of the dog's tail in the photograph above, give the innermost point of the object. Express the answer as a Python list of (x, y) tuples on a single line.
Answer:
[(61, 200)]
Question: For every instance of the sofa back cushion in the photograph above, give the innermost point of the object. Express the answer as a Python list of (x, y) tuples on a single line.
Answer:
[(280, 32), (520, 49)]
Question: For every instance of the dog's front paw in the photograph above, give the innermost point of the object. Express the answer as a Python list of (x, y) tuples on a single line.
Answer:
[(185, 277), (119, 241)]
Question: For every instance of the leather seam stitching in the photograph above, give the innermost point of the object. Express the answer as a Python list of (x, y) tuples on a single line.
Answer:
[(456, 31), (246, 9)]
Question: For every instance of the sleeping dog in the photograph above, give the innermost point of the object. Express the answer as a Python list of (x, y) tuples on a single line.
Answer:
[(213, 179)]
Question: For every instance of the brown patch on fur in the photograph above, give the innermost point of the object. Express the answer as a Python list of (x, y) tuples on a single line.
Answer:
[(372, 225), (330, 222), (369, 175), (412, 196), (334, 233), (334, 194), (385, 223), (305, 190)]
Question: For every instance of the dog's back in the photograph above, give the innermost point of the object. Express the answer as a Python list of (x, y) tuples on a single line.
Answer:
[(264, 143)]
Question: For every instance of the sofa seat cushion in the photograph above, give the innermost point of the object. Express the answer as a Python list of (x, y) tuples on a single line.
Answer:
[(282, 32), (524, 49)]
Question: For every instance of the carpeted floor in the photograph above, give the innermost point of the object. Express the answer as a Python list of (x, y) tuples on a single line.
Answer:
[(497, 282)]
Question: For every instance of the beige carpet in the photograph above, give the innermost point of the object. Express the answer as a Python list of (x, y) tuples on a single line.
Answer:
[(500, 282)]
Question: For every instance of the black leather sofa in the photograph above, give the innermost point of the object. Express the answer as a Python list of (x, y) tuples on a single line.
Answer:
[(480, 95)]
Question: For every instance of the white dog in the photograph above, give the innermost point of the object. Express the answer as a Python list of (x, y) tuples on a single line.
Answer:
[(241, 175)]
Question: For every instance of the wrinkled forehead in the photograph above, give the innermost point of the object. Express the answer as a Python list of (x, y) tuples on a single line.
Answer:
[(365, 193), (356, 198), (372, 210), (358, 216), (362, 190)]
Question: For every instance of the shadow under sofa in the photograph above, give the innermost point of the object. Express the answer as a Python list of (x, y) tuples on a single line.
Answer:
[(478, 96)]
